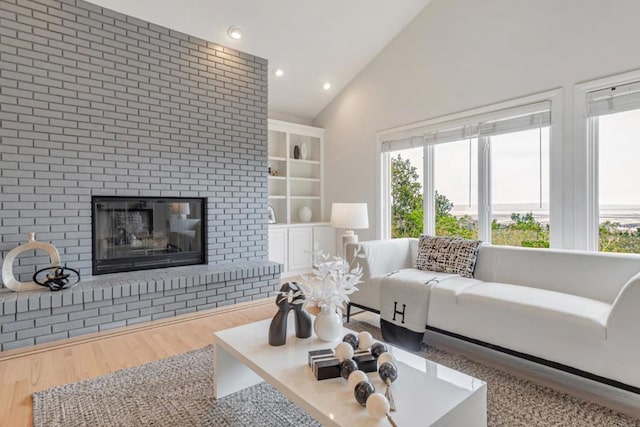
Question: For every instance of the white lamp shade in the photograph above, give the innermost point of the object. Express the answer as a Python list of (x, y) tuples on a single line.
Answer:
[(349, 215)]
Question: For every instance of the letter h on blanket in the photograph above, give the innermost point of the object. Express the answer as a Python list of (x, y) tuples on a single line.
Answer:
[(395, 311), (404, 307)]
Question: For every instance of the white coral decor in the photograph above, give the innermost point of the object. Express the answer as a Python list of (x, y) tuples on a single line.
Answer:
[(331, 281)]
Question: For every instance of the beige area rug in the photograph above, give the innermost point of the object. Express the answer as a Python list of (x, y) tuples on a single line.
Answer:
[(178, 391)]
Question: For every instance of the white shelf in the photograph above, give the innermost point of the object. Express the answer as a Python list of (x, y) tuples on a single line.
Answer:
[(295, 178), (299, 183), (298, 187), (308, 162)]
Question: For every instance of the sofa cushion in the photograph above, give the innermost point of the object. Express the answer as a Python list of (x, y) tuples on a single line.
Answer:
[(452, 287), (413, 250), (565, 308), (447, 255), (380, 256), (559, 327), (597, 276)]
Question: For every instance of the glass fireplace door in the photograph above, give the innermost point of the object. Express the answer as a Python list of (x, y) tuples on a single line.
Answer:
[(140, 233)]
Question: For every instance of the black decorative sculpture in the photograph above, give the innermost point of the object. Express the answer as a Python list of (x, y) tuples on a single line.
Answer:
[(289, 298), (57, 277)]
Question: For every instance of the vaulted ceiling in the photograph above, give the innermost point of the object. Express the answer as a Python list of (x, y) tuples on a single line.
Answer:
[(312, 41)]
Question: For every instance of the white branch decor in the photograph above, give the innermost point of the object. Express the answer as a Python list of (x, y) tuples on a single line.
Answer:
[(331, 281)]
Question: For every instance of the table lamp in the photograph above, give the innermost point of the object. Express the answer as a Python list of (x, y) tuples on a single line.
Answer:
[(349, 216)]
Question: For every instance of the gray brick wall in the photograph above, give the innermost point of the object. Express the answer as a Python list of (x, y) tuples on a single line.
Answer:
[(117, 300), (93, 102)]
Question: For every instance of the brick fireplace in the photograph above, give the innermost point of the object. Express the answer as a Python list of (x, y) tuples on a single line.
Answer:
[(97, 103)]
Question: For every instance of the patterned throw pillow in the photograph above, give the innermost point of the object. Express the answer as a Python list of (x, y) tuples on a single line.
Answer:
[(448, 255)]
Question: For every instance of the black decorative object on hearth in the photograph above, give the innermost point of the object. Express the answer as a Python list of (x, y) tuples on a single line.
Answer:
[(57, 277), (289, 298)]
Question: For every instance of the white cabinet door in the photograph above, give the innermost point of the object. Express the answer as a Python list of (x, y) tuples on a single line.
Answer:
[(278, 246), (324, 239), (300, 247)]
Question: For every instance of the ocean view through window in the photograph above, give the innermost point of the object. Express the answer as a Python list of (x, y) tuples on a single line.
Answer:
[(618, 137), (520, 188)]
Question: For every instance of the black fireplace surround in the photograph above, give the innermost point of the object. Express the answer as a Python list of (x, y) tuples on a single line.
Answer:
[(139, 233)]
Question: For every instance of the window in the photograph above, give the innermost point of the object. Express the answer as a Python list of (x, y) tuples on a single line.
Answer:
[(407, 200), (483, 176), (455, 171), (520, 188), (614, 123)]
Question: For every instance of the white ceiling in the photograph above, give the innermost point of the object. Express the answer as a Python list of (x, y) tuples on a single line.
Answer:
[(313, 41)]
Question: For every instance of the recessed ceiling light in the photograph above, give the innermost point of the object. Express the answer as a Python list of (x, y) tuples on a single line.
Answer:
[(235, 33), (279, 72), (326, 86)]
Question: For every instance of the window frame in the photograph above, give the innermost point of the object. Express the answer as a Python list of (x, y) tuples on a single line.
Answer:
[(554, 97), (586, 132)]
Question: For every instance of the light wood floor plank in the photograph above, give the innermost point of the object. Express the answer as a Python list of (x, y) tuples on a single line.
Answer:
[(38, 368)]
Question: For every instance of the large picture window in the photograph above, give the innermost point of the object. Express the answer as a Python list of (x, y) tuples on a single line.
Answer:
[(614, 123), (483, 177)]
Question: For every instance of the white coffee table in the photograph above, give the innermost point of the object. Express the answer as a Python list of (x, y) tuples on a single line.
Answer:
[(426, 393)]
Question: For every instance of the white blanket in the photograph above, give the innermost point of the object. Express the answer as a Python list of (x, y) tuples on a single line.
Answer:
[(404, 297)]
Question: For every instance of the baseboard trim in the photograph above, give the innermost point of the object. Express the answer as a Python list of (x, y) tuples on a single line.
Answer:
[(541, 361), (55, 345)]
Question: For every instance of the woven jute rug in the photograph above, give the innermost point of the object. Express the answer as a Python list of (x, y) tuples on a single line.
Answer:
[(178, 391)]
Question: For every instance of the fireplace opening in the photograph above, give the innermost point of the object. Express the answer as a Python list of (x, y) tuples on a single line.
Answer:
[(138, 233)]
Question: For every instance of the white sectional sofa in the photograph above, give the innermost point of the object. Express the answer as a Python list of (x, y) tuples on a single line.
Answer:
[(577, 309)]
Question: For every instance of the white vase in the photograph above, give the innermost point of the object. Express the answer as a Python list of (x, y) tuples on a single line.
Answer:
[(304, 214), (32, 244), (328, 323)]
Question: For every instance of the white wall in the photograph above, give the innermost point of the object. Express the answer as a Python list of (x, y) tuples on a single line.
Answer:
[(462, 54)]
